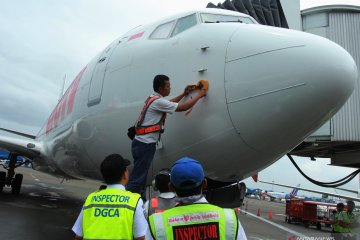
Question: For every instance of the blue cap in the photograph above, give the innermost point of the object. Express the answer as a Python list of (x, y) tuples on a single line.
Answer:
[(186, 173)]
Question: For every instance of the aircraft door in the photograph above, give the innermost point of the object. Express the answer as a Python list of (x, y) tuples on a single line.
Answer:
[(97, 80)]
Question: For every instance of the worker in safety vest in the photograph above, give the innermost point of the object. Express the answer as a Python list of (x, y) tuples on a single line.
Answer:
[(336, 228), (348, 221), (193, 217), (150, 125), (112, 212), (166, 198)]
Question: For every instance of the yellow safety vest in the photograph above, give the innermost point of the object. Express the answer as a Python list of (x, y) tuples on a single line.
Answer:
[(194, 221), (109, 214), (347, 219), (336, 227)]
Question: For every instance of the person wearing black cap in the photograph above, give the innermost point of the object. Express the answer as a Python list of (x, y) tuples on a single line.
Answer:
[(166, 198), (193, 217), (112, 212)]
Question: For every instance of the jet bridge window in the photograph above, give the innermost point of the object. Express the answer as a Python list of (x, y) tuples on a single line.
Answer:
[(185, 23), (217, 18), (162, 31)]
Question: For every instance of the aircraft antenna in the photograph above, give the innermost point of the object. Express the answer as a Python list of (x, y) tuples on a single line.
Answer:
[(62, 88)]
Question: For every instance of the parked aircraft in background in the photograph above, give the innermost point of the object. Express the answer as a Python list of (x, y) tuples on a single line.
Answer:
[(324, 199), (269, 89), (5, 159), (316, 191), (279, 196), (4, 154), (253, 193)]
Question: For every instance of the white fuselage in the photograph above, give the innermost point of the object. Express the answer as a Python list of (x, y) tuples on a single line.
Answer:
[(269, 89)]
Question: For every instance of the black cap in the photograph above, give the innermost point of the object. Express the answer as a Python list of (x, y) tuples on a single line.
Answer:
[(162, 180), (340, 205), (113, 167)]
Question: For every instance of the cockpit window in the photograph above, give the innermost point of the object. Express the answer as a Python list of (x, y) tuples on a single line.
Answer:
[(162, 31), (217, 18), (184, 23)]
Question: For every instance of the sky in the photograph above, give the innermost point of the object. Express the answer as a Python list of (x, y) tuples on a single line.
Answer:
[(42, 41)]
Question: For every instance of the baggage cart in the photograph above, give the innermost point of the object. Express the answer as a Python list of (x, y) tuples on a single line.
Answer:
[(309, 213)]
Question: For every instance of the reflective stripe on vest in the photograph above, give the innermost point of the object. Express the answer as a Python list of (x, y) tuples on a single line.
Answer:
[(229, 218), (109, 214), (141, 130), (195, 221), (160, 226)]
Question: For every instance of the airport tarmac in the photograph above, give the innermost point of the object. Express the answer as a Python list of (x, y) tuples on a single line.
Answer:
[(47, 209)]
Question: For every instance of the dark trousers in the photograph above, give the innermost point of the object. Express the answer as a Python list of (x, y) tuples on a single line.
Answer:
[(143, 154)]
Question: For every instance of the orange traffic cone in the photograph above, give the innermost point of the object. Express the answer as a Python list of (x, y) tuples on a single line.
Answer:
[(270, 214), (258, 213)]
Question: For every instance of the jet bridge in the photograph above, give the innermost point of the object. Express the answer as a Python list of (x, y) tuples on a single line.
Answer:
[(339, 138)]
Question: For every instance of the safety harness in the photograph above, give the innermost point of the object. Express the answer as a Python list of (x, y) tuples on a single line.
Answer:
[(141, 130)]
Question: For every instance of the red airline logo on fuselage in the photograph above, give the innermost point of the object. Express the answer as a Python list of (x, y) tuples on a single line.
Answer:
[(135, 36), (59, 113)]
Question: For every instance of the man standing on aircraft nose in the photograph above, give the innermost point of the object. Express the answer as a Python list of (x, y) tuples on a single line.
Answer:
[(150, 125)]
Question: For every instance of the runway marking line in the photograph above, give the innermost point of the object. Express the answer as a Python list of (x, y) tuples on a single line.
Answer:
[(275, 224)]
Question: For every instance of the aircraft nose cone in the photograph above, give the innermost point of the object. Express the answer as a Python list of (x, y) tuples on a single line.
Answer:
[(281, 91)]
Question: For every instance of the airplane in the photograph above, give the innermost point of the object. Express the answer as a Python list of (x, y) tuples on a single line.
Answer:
[(4, 155), (280, 196), (253, 192), (324, 193), (5, 159), (270, 88)]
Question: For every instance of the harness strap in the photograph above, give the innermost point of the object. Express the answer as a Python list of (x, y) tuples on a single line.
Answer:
[(141, 130)]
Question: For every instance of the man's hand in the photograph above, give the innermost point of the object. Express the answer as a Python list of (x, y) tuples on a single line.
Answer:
[(188, 89), (202, 92)]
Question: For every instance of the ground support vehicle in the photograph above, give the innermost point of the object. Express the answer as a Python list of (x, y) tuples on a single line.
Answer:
[(309, 213)]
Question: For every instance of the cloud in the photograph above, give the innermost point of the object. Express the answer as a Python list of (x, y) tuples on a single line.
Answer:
[(42, 41)]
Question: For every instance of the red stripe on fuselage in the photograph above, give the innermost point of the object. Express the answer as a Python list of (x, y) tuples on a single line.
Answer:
[(60, 113), (138, 35)]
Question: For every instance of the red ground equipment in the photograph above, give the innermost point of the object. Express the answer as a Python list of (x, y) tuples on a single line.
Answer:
[(309, 212)]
